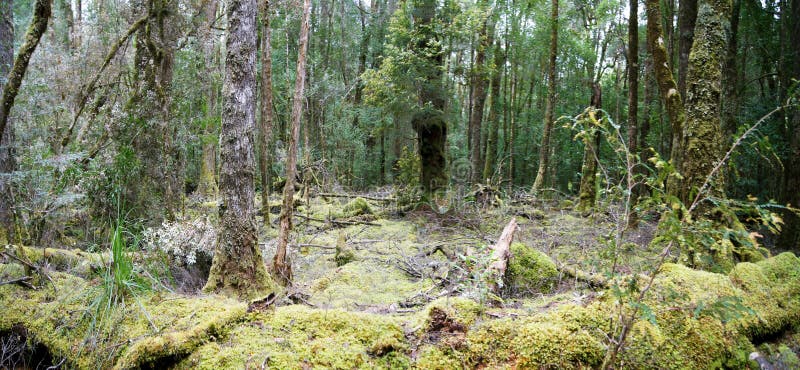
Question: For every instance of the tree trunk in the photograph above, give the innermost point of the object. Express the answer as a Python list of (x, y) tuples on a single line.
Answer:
[(544, 149), (281, 267), (587, 195), (207, 184), (687, 17), (480, 77), (633, 106), (265, 127), (667, 87), (702, 141), (238, 268), (790, 236), (429, 123), (730, 95), (494, 113), (7, 160)]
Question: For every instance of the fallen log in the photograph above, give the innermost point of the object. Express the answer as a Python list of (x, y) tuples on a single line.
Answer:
[(501, 252)]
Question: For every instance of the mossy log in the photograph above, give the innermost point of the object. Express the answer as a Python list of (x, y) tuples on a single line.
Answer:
[(699, 320)]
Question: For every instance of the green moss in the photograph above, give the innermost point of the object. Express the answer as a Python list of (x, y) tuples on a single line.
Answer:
[(298, 336), (357, 207), (344, 253), (530, 271)]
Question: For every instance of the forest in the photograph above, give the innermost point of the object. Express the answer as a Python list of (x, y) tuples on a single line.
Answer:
[(428, 184)]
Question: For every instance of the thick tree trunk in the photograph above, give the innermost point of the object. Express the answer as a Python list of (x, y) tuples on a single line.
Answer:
[(730, 84), (41, 15), (430, 123), (687, 17), (238, 268), (7, 161), (281, 267), (544, 149), (667, 87), (265, 127), (790, 236), (494, 113), (702, 140), (480, 78)]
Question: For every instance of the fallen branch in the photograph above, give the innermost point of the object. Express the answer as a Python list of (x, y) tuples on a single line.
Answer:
[(594, 280), (23, 281), (367, 197), (337, 222), (501, 253)]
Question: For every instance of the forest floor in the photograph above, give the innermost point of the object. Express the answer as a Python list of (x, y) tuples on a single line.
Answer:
[(375, 286)]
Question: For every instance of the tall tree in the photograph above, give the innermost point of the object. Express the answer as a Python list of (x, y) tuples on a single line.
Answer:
[(265, 126), (790, 237), (41, 15), (633, 96), (207, 185), (587, 196), (429, 122), (544, 148), (281, 266), (494, 112), (238, 268), (480, 78), (7, 162)]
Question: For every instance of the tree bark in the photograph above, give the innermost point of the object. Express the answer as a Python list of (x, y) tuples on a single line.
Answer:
[(687, 17), (281, 267), (265, 127), (633, 105), (429, 123), (238, 268), (207, 184), (730, 98), (544, 149), (480, 77), (41, 15), (790, 236), (702, 139), (494, 113), (667, 87)]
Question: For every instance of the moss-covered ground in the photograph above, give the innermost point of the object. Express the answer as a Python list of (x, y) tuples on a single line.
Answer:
[(411, 295)]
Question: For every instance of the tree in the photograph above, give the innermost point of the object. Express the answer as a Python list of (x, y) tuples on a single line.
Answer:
[(238, 268), (790, 237), (281, 267), (544, 148), (687, 17), (41, 15), (207, 184), (587, 195), (480, 78), (429, 122), (633, 97), (265, 126)]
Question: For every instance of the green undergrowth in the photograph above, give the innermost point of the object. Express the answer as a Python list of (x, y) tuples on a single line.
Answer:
[(698, 320)]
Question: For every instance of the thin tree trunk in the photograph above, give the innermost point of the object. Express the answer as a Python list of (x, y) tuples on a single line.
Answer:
[(281, 267), (238, 268), (478, 97), (207, 185), (587, 195), (544, 149), (633, 103), (730, 98), (494, 113), (265, 127)]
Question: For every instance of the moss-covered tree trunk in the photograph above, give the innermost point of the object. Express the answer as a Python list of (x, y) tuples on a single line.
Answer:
[(281, 267), (7, 162), (702, 139), (667, 87), (265, 126), (429, 123), (591, 153), (238, 268), (493, 118), (480, 78), (633, 105), (544, 148)]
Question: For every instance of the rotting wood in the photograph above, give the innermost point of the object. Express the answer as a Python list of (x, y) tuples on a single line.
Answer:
[(500, 255)]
